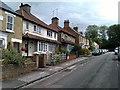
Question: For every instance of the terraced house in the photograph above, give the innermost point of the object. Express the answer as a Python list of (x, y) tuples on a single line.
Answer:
[(37, 35), (10, 33), (83, 41), (66, 38)]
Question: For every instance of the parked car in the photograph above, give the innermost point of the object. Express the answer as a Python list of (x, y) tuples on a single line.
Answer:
[(116, 50), (96, 52), (118, 53)]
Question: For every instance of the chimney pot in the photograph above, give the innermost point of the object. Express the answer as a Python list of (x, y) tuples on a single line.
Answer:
[(66, 23), (25, 7), (55, 20)]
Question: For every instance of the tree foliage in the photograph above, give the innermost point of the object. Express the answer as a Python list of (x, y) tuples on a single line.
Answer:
[(114, 35)]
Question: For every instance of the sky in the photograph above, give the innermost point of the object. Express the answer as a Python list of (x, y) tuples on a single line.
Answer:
[(80, 13)]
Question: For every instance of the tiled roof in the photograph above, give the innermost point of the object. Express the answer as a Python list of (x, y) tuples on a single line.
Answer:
[(34, 37), (70, 30), (6, 8), (34, 19), (58, 28)]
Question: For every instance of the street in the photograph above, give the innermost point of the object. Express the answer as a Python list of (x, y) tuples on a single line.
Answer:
[(96, 72)]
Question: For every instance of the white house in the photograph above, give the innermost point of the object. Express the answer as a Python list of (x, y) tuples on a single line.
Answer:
[(37, 36)]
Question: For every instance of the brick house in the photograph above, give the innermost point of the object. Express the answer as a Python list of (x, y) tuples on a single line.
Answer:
[(73, 31), (37, 35), (10, 33), (66, 38)]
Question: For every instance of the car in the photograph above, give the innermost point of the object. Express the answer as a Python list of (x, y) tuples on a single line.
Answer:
[(116, 50), (96, 52), (118, 53)]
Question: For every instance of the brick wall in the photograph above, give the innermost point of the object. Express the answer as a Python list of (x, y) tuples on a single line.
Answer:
[(11, 71), (72, 56)]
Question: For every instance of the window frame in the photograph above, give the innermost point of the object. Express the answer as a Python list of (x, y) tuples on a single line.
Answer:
[(10, 23), (49, 33)]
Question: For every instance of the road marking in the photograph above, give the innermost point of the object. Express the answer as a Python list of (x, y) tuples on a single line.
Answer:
[(71, 67)]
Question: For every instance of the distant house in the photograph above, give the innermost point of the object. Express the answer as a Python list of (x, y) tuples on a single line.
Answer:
[(10, 28), (37, 35), (96, 45), (66, 38), (83, 41)]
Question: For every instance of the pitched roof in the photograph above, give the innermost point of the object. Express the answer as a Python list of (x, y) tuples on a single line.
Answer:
[(34, 37), (34, 19), (70, 30), (7, 8), (58, 28)]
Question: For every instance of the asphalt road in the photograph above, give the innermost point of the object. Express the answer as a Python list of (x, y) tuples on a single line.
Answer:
[(96, 72)]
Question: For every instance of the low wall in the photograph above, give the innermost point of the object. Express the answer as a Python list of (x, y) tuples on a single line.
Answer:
[(10, 71), (72, 56)]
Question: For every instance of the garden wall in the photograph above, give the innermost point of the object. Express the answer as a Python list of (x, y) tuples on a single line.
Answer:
[(10, 71)]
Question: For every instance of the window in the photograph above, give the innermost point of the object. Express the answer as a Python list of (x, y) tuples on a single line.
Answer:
[(54, 34), (37, 29), (51, 47), (42, 46), (27, 26), (49, 33), (2, 42), (10, 22)]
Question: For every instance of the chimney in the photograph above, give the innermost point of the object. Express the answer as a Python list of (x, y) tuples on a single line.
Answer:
[(55, 20), (75, 28), (66, 23), (26, 7)]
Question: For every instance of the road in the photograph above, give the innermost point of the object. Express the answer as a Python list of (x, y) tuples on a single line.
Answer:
[(96, 72)]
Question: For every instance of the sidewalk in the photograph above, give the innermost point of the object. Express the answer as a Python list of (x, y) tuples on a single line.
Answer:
[(38, 74)]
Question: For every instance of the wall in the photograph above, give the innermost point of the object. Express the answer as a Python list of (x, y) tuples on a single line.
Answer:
[(43, 31), (11, 71)]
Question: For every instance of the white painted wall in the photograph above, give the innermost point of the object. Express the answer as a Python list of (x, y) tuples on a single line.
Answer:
[(3, 35), (43, 31)]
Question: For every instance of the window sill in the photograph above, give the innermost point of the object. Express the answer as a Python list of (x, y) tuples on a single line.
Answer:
[(36, 33), (11, 31)]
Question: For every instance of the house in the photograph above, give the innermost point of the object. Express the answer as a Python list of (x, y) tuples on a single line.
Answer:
[(66, 38), (10, 33), (73, 31), (37, 35), (96, 45), (83, 41)]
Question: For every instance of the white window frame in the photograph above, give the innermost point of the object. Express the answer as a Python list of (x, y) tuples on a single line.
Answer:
[(9, 15), (49, 33), (26, 23), (3, 42), (37, 29), (44, 47), (55, 35)]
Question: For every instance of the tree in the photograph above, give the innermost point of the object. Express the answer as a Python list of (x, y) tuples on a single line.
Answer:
[(92, 32), (114, 35), (102, 31)]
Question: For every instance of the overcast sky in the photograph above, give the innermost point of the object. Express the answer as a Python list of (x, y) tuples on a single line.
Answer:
[(80, 13)]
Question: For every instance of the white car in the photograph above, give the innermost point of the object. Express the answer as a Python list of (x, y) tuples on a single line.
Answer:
[(119, 53), (116, 50)]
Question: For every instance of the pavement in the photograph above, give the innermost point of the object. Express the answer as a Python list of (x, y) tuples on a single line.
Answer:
[(38, 74)]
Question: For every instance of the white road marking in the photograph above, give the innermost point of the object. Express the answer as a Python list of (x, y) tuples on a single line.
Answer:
[(71, 67)]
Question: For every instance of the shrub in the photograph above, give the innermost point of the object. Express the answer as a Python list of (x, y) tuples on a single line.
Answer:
[(12, 57), (56, 58), (85, 51), (62, 50)]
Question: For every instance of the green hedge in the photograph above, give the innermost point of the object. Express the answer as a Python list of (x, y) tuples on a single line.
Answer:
[(12, 57)]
